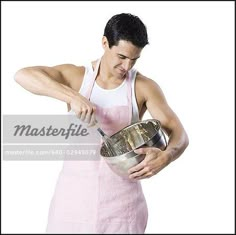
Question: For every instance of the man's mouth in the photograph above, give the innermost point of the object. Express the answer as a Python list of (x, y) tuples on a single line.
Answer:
[(122, 71)]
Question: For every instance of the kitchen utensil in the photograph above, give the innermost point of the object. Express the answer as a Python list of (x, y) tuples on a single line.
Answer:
[(146, 133)]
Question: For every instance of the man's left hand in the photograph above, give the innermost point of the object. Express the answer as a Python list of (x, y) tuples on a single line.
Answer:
[(154, 161)]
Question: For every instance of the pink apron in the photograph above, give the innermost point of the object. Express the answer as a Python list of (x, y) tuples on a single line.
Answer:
[(89, 197)]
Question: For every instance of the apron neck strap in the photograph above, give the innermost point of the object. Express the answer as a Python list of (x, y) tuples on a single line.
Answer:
[(89, 91)]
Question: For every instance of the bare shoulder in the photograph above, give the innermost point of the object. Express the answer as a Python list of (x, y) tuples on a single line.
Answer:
[(150, 97), (147, 87), (71, 74), (69, 68)]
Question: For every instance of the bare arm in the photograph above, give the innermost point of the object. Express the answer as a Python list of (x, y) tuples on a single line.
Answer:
[(152, 99), (47, 81), (158, 107), (61, 82)]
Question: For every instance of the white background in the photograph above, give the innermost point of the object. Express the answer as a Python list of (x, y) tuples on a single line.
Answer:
[(191, 56)]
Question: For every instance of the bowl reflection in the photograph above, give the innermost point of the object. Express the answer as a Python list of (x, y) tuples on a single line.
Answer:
[(147, 133)]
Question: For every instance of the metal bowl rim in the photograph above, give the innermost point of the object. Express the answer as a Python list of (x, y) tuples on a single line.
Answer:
[(129, 126)]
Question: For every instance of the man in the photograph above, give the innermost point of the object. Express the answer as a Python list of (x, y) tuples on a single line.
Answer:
[(89, 197)]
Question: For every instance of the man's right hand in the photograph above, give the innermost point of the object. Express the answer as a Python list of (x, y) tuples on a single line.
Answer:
[(83, 109)]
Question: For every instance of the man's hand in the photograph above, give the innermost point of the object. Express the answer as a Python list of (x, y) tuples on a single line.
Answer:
[(84, 109), (154, 161)]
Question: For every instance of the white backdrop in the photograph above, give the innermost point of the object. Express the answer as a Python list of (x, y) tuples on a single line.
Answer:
[(191, 56)]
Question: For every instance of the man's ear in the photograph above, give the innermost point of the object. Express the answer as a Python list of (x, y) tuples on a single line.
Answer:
[(105, 43)]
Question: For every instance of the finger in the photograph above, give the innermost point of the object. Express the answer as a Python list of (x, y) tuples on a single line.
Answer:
[(145, 173), (146, 150), (91, 124), (88, 116), (142, 150), (145, 176), (137, 173), (83, 115), (144, 164), (93, 120), (136, 168), (78, 115)]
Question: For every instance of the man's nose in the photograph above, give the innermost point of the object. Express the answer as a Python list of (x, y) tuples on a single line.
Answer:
[(127, 65)]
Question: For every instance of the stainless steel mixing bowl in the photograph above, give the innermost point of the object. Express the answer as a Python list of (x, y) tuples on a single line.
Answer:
[(146, 133)]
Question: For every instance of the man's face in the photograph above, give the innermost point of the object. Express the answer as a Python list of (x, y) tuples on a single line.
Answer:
[(121, 58)]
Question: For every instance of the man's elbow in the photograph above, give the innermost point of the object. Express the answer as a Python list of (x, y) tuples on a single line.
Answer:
[(19, 75), (186, 141)]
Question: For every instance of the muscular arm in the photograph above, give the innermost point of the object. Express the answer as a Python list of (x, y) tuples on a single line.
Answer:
[(150, 97), (61, 82), (55, 82), (159, 109)]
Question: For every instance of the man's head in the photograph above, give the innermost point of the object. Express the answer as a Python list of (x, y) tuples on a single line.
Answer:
[(126, 27)]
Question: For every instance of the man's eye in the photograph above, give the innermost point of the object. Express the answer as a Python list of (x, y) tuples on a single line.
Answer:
[(121, 57)]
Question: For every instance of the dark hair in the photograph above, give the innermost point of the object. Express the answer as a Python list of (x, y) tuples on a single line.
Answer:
[(126, 27)]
